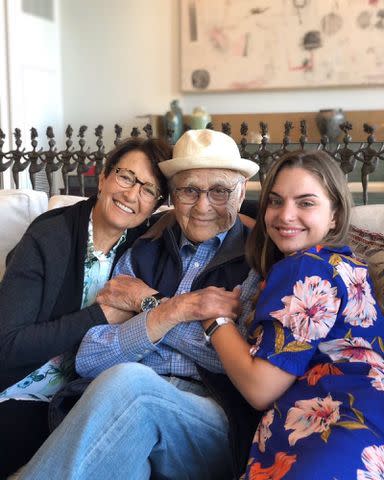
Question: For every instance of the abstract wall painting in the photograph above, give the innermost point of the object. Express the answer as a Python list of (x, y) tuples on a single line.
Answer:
[(267, 44)]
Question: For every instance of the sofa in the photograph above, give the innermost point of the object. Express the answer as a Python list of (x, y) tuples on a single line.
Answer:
[(18, 208)]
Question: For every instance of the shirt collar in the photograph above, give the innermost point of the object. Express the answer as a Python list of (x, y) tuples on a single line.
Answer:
[(91, 252), (217, 240)]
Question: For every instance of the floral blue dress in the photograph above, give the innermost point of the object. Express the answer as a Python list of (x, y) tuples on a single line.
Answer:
[(317, 319)]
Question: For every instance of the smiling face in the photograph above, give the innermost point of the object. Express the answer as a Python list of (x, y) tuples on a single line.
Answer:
[(299, 213), (202, 221), (118, 208)]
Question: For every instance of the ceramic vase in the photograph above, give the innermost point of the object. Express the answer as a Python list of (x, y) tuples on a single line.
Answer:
[(173, 120), (199, 118), (328, 122)]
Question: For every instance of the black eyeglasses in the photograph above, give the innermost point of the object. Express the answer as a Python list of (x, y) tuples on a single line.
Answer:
[(216, 195), (127, 179)]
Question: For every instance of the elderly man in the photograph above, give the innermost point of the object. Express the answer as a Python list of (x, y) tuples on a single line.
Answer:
[(161, 406)]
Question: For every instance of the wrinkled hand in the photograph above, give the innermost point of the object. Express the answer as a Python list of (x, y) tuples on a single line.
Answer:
[(114, 315), (124, 293), (207, 323), (205, 304), (210, 302)]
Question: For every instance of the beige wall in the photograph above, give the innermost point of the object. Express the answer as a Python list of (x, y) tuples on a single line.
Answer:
[(121, 59)]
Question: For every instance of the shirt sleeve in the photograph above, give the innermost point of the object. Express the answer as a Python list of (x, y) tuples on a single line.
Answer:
[(109, 345), (101, 348), (249, 288), (296, 310)]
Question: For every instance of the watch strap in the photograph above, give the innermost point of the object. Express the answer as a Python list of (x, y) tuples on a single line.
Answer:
[(220, 321)]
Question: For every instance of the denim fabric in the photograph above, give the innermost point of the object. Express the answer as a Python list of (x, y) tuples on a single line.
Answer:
[(133, 424)]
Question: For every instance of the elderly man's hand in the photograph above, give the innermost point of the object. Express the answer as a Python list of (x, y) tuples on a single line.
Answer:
[(208, 303), (125, 293), (114, 315)]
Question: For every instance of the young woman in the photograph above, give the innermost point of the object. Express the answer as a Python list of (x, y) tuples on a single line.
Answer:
[(47, 295), (316, 363)]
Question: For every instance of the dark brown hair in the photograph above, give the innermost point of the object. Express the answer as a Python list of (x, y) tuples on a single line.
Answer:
[(154, 148), (262, 253)]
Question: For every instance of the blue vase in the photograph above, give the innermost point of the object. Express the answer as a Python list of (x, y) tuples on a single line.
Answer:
[(173, 120)]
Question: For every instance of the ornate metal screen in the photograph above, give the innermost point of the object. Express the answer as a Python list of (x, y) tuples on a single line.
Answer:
[(79, 159)]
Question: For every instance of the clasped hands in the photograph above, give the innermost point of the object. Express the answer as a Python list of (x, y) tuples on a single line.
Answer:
[(121, 298)]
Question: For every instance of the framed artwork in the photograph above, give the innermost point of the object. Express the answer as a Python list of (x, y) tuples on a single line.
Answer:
[(249, 45)]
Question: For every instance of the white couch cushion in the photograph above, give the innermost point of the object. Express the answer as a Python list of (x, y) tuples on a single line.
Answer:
[(57, 201), (17, 210), (369, 217), (367, 241)]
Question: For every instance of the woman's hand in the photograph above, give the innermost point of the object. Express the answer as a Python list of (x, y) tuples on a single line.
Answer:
[(124, 293)]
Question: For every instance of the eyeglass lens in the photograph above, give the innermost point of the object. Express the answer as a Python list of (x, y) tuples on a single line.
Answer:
[(127, 179), (216, 195)]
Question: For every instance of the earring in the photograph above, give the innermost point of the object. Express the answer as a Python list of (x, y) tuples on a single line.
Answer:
[(148, 222), (169, 200)]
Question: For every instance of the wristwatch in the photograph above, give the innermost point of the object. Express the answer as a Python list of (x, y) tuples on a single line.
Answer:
[(150, 302), (214, 326)]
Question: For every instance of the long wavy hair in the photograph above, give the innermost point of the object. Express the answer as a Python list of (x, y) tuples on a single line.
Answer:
[(262, 253)]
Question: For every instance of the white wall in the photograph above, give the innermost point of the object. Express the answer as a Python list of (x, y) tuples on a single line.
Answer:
[(30, 77), (121, 59)]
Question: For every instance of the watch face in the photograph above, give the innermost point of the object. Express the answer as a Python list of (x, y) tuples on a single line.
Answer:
[(148, 303)]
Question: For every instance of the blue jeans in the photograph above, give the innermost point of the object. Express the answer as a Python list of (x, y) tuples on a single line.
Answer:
[(133, 424)]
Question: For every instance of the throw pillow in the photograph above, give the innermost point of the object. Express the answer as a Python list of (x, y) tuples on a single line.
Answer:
[(370, 247)]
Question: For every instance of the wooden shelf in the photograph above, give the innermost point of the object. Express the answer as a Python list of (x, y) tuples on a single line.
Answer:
[(354, 187), (276, 122)]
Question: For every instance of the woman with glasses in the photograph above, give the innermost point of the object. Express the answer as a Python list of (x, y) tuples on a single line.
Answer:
[(48, 293)]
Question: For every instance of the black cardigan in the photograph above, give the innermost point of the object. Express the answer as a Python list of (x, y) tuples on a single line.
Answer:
[(41, 292)]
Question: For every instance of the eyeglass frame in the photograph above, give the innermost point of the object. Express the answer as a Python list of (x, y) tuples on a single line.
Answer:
[(199, 191), (140, 182)]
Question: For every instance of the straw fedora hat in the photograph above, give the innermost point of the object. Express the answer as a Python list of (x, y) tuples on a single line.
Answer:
[(206, 149)]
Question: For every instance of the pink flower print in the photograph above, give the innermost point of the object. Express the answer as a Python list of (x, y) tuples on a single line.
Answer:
[(311, 416), (263, 431), (312, 309), (377, 376), (354, 349), (360, 309), (373, 459)]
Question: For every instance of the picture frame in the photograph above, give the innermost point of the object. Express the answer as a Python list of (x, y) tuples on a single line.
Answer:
[(231, 45)]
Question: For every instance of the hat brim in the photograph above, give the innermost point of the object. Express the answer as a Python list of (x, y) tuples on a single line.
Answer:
[(242, 165)]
